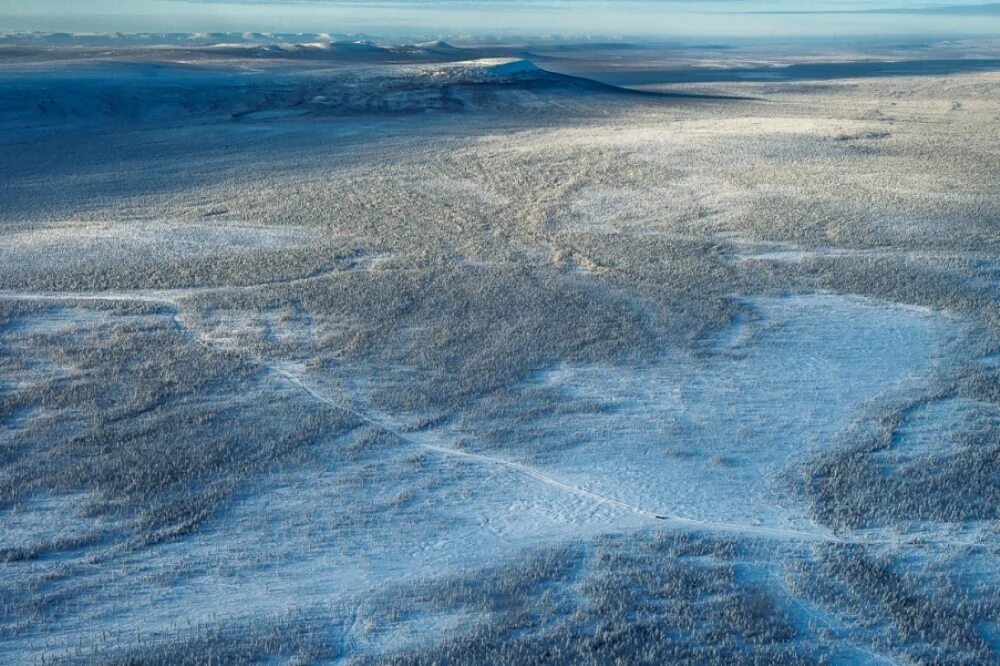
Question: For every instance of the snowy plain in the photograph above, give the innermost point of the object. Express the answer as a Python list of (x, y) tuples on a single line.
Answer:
[(335, 352)]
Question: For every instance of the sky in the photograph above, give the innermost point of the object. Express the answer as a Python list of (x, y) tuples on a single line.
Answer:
[(531, 18)]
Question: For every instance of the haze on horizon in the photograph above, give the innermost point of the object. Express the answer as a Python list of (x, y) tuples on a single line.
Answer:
[(396, 18)]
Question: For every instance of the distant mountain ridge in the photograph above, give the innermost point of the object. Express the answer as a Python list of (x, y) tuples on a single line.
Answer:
[(125, 91)]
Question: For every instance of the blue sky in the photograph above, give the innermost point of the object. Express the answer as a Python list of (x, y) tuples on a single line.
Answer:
[(663, 18)]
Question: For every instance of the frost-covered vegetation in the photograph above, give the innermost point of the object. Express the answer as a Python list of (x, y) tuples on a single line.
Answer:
[(399, 355)]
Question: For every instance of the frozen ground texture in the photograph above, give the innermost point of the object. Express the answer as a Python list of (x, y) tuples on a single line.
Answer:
[(337, 352)]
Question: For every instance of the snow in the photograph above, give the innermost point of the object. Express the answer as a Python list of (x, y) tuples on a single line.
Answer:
[(688, 442), (511, 68), (438, 45), (45, 518), (702, 438), (932, 429), (114, 242), (694, 441)]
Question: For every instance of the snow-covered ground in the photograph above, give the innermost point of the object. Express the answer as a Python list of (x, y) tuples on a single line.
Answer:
[(335, 351), (691, 443), (703, 437)]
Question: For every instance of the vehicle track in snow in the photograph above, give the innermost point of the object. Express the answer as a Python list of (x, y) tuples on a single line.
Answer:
[(173, 298), (545, 479)]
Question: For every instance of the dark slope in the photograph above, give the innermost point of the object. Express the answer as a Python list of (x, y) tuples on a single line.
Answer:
[(144, 92)]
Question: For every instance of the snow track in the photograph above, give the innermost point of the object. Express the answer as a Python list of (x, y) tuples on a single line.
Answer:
[(431, 442), (541, 477), (161, 297), (172, 299)]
